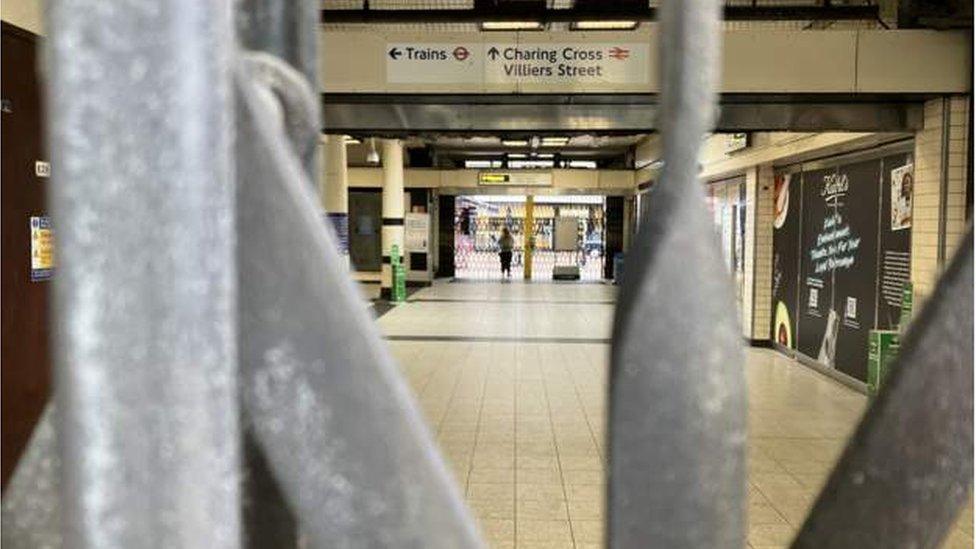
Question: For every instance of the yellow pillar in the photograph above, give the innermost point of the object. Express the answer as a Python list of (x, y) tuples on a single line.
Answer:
[(529, 237)]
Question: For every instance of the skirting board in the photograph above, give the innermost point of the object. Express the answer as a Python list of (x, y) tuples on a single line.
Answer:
[(837, 376)]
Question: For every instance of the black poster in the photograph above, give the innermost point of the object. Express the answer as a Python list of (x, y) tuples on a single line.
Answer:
[(786, 256), (895, 221), (838, 272), (816, 280), (855, 270)]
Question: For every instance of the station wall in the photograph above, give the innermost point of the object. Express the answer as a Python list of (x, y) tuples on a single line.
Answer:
[(754, 61)]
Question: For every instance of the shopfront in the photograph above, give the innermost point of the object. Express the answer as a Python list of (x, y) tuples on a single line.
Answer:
[(842, 230)]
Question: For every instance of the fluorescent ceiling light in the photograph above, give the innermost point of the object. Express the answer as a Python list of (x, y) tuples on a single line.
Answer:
[(545, 155), (554, 141), (515, 142), (585, 164), (516, 155), (604, 25), (352, 140), (510, 25)]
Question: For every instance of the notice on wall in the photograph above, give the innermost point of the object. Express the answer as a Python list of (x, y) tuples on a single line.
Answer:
[(895, 238), (510, 62), (416, 232), (41, 248)]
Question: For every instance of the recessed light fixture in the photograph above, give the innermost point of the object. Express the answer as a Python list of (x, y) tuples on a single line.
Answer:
[(511, 25), (555, 141), (515, 142), (603, 25)]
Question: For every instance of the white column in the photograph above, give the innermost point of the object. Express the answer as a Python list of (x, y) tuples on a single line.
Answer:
[(392, 209), (334, 189)]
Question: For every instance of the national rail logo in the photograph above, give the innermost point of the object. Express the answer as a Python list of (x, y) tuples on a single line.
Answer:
[(618, 53)]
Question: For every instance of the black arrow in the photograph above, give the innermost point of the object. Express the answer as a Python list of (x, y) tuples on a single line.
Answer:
[(395, 53), (493, 53)]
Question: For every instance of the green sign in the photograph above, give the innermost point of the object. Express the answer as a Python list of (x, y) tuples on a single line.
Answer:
[(907, 301), (882, 350), (399, 290)]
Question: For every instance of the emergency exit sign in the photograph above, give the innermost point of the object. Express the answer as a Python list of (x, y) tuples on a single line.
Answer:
[(510, 62)]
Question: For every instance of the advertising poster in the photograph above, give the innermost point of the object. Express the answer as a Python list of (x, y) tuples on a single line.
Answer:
[(900, 198), (41, 248), (838, 266), (895, 241), (856, 270), (786, 234), (817, 318)]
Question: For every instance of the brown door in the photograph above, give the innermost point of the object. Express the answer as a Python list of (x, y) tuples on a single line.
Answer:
[(25, 361)]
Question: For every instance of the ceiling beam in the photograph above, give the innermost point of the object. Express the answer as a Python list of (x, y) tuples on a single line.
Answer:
[(828, 12)]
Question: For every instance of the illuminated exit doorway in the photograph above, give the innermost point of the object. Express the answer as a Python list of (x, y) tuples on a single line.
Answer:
[(478, 223)]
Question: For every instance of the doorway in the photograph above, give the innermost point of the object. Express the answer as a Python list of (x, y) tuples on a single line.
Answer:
[(479, 219)]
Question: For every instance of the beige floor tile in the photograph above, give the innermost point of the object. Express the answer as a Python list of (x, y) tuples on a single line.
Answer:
[(492, 475), (541, 491), (493, 508), (538, 476), (584, 477), (525, 422), (554, 531), (588, 531), (498, 530), (481, 490), (541, 509), (777, 535)]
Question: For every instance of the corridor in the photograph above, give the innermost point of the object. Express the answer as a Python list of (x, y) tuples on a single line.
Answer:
[(512, 378)]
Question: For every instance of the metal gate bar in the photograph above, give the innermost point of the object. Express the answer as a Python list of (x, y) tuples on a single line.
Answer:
[(908, 468), (677, 389), (141, 133), (161, 311), (331, 412)]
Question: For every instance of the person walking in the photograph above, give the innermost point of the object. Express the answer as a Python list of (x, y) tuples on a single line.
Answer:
[(505, 245)]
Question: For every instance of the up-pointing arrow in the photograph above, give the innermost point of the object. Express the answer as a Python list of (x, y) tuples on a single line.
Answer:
[(395, 53), (493, 53)]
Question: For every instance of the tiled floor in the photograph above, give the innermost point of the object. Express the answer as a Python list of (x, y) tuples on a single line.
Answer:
[(512, 378)]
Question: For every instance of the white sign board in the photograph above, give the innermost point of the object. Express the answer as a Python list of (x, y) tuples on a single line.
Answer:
[(416, 63), (567, 234), (515, 179), (736, 142), (510, 62), (416, 232)]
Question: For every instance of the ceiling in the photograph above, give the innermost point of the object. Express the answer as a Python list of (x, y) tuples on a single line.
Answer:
[(453, 150)]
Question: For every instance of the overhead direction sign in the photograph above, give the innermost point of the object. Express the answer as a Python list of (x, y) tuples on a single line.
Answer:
[(510, 62), (527, 178)]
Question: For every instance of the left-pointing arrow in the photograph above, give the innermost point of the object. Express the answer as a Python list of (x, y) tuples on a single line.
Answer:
[(395, 53)]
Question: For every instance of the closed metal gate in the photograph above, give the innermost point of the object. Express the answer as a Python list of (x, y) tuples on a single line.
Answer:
[(202, 302)]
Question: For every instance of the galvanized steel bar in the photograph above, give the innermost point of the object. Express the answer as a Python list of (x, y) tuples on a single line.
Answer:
[(908, 469), (288, 30), (677, 390), (331, 412), (141, 133), (31, 513)]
